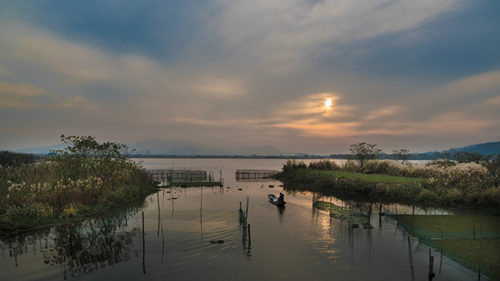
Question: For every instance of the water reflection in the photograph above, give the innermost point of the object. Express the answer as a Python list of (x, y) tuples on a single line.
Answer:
[(298, 242), (78, 249), (281, 211)]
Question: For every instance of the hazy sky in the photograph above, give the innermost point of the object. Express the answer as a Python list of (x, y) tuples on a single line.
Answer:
[(421, 74)]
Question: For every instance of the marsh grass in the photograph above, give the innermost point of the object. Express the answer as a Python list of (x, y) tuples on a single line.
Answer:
[(89, 179), (462, 184)]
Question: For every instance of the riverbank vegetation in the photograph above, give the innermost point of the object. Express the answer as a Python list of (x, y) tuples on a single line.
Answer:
[(436, 183), (85, 179), (472, 240)]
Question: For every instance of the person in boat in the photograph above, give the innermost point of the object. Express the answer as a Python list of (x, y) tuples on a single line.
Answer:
[(281, 199)]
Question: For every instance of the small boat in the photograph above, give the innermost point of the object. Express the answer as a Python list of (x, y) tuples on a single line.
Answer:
[(280, 201)]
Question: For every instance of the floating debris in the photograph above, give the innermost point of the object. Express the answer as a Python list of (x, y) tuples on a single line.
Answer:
[(271, 186), (367, 225), (217, 241), (239, 188)]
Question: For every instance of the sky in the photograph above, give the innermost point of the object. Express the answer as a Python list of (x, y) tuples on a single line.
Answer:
[(307, 76)]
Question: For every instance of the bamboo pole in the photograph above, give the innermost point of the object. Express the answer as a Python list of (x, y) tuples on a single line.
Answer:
[(431, 266)]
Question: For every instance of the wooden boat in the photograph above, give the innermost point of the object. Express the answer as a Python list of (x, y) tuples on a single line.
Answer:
[(280, 201)]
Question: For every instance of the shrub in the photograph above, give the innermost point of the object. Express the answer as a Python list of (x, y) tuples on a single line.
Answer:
[(324, 165), (86, 179), (466, 176), (293, 165), (11, 159), (441, 163)]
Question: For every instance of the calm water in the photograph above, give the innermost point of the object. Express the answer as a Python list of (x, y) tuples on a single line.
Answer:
[(295, 243)]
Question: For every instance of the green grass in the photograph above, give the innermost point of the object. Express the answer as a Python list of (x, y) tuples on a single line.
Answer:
[(467, 251), (374, 178), (458, 237), (460, 223)]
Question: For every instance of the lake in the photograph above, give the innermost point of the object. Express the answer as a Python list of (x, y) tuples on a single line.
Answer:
[(195, 234)]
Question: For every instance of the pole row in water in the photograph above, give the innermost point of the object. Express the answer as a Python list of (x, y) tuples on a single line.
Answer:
[(243, 217)]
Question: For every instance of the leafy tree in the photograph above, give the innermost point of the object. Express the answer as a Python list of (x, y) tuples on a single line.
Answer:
[(84, 156), (465, 157), (291, 165), (362, 152), (401, 154), (492, 163)]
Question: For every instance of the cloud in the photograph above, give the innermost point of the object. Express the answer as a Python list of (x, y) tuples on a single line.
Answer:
[(26, 96), (21, 90), (472, 85), (285, 34), (254, 73), (384, 112)]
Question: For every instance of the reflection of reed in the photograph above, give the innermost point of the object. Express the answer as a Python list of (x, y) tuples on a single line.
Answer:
[(380, 214), (201, 213), (172, 200), (159, 216), (143, 247), (369, 234), (162, 243), (79, 249), (412, 268)]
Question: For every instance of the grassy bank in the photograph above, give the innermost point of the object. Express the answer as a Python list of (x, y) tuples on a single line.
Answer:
[(86, 179), (369, 178), (350, 185), (452, 186)]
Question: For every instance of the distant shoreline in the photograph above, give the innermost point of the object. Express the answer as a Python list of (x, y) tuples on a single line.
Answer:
[(298, 157)]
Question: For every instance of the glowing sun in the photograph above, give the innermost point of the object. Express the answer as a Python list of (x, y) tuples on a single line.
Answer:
[(328, 104)]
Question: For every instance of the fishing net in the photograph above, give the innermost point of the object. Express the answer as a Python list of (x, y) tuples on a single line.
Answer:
[(472, 241)]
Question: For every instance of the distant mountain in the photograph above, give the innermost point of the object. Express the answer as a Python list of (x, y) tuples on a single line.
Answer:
[(482, 148), (42, 149), (259, 150), (187, 148), (170, 147)]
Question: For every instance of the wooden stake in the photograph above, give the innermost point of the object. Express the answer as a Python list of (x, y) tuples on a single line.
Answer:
[(431, 266), (249, 239)]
